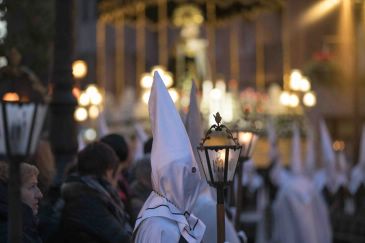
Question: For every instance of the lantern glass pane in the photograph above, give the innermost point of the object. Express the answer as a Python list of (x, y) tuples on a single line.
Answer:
[(2, 133), (248, 141), (203, 161), (217, 159), (38, 124), (19, 122), (232, 163)]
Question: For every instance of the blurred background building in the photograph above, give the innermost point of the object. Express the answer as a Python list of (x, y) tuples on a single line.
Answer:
[(239, 44), (241, 53)]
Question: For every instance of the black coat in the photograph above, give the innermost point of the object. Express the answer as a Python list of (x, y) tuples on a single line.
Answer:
[(30, 231), (90, 216)]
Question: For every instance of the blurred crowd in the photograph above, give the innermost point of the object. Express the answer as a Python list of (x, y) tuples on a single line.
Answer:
[(106, 187), (122, 189)]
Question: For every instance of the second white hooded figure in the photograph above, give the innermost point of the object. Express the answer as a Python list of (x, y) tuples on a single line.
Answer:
[(165, 216)]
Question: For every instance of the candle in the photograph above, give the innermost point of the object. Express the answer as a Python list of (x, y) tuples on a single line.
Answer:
[(219, 165)]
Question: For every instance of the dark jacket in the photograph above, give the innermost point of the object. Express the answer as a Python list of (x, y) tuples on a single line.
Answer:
[(93, 212), (30, 231)]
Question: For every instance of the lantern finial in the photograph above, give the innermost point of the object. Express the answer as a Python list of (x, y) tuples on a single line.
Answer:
[(217, 136), (217, 118)]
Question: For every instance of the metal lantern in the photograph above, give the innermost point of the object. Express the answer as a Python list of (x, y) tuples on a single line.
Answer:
[(247, 138), (20, 126), (219, 153)]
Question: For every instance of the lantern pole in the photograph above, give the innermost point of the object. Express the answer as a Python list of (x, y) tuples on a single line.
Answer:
[(15, 207), (239, 192), (220, 214)]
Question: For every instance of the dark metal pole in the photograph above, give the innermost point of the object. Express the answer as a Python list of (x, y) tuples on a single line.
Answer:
[(221, 231), (63, 129), (14, 203), (241, 161), (238, 196)]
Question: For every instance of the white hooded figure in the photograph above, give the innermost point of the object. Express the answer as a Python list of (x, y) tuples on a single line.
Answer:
[(165, 216), (141, 138), (102, 126), (326, 177), (300, 213), (358, 172), (206, 201)]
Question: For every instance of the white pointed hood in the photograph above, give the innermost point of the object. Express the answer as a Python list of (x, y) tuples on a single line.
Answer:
[(102, 126), (175, 175), (141, 138), (326, 143), (358, 172), (362, 149), (195, 132), (310, 159), (296, 159), (272, 139), (81, 142), (328, 157), (193, 122)]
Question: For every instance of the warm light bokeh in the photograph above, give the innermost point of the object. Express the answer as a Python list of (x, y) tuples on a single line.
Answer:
[(11, 96), (309, 99), (244, 138), (79, 69), (318, 11), (80, 114)]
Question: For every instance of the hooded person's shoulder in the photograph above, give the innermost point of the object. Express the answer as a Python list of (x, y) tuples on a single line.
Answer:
[(158, 230)]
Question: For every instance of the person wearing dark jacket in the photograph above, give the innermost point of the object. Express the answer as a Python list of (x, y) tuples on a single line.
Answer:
[(30, 196), (120, 146), (93, 211)]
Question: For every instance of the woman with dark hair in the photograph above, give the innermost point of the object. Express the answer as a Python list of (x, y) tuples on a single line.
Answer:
[(93, 211), (122, 174)]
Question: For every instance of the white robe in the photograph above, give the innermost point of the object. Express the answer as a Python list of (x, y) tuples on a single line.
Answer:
[(205, 210), (300, 214), (357, 178), (158, 230)]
